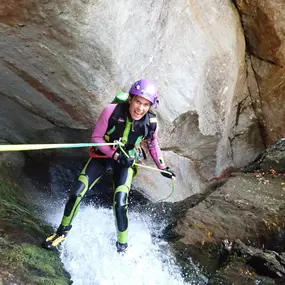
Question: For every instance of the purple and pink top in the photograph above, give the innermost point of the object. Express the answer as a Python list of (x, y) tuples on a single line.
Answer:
[(101, 129)]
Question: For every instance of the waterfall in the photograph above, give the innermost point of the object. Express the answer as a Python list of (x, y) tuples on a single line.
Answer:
[(89, 253)]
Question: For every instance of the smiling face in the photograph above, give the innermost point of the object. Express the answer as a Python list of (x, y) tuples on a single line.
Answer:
[(138, 107)]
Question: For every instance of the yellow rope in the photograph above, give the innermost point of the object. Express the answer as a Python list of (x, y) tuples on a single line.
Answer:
[(22, 147), (117, 143)]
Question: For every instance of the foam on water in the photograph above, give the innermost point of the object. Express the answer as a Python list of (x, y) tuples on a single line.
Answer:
[(89, 253)]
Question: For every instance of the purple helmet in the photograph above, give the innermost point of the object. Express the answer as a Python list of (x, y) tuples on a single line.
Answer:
[(145, 88)]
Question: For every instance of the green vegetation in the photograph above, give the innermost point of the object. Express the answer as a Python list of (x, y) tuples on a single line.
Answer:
[(21, 257), (32, 264), (16, 213)]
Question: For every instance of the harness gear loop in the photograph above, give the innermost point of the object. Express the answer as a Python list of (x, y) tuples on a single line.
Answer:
[(92, 153), (92, 150)]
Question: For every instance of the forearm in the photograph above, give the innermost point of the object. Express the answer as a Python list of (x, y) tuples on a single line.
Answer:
[(156, 153)]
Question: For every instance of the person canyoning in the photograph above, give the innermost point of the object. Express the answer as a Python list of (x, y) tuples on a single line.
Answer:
[(129, 122)]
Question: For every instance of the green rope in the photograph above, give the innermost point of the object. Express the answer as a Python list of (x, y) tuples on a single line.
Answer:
[(117, 143), (22, 147)]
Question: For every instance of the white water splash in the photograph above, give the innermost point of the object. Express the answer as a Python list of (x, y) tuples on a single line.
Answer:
[(89, 253)]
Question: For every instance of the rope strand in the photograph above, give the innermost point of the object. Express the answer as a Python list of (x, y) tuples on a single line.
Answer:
[(117, 144), (22, 147)]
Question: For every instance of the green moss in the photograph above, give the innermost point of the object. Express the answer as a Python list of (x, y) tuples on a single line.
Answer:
[(16, 212), (11, 200), (27, 262), (34, 264)]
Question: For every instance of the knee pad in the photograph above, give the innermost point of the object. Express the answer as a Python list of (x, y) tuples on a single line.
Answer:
[(79, 186), (120, 199), (121, 209), (75, 194)]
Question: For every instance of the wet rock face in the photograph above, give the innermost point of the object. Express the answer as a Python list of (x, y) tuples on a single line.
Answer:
[(269, 98), (247, 207), (264, 25), (266, 262), (271, 160), (236, 228), (240, 208)]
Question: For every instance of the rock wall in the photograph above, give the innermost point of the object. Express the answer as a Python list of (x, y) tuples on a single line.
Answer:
[(62, 61), (264, 26)]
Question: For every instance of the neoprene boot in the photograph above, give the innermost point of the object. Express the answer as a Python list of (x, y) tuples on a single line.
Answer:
[(53, 241), (121, 247)]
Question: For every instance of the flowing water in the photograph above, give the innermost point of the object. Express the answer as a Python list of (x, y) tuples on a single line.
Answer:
[(89, 253), (90, 256)]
